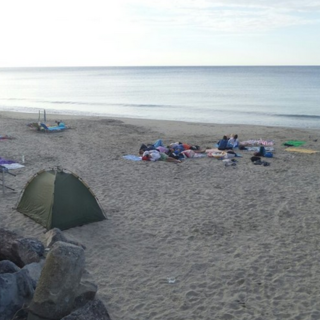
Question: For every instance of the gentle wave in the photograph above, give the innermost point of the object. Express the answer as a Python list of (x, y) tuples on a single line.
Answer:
[(275, 96), (133, 105), (94, 103), (307, 116)]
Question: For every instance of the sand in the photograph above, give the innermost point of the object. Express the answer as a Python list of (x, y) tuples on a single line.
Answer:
[(195, 240)]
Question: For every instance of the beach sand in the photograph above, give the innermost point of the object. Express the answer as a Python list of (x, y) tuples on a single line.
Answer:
[(195, 240)]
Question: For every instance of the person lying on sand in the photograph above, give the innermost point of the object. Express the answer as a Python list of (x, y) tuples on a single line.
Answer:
[(150, 146), (155, 155), (179, 150)]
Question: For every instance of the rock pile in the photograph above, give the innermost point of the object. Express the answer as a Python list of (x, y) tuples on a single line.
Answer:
[(38, 283)]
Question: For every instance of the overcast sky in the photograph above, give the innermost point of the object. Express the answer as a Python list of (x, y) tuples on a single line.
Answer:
[(159, 32)]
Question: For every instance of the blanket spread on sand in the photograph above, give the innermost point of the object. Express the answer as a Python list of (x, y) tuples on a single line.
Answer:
[(219, 154), (293, 143), (258, 149), (133, 157), (300, 150), (259, 142), (10, 164)]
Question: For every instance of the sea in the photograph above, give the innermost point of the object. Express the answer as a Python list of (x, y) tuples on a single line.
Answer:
[(287, 96)]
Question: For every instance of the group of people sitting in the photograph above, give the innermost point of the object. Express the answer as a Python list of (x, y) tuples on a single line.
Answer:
[(177, 151), (228, 143)]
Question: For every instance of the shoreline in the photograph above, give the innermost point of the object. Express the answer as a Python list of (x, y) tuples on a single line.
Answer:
[(146, 122), (195, 240)]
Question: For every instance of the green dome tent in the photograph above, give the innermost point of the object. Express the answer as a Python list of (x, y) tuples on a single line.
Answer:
[(57, 198)]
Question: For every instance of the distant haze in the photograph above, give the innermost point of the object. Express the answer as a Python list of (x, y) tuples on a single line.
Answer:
[(159, 32)]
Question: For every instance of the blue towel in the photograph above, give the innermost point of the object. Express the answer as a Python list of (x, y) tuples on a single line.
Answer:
[(55, 128), (132, 157)]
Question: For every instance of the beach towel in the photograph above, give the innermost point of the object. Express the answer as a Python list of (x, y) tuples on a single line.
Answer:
[(259, 142), (10, 164), (256, 149), (60, 127), (188, 154), (200, 155), (293, 143), (132, 157), (300, 150), (216, 153)]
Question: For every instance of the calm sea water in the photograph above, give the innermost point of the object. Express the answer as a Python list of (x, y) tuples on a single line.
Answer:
[(275, 96)]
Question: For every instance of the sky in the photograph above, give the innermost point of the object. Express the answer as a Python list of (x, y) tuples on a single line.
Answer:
[(46, 33)]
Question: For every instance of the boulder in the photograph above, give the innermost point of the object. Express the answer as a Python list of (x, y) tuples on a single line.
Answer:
[(25, 251), (7, 266), (93, 310), (21, 314), (15, 290), (86, 292), (55, 235), (6, 239), (33, 243), (59, 281), (34, 270), (19, 250)]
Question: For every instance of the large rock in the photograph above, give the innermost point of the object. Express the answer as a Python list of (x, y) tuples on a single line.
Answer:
[(7, 266), (34, 270), (59, 281), (26, 250), (19, 250), (34, 244), (15, 290), (93, 310), (21, 314), (55, 234), (87, 291), (6, 239)]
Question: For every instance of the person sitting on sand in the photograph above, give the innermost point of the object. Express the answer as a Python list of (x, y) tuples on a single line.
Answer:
[(155, 155), (223, 144), (233, 141)]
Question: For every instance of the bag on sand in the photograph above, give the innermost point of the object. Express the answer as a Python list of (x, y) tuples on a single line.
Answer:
[(255, 158), (268, 155)]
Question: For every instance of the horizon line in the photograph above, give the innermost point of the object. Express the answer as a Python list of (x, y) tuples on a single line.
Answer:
[(163, 66)]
